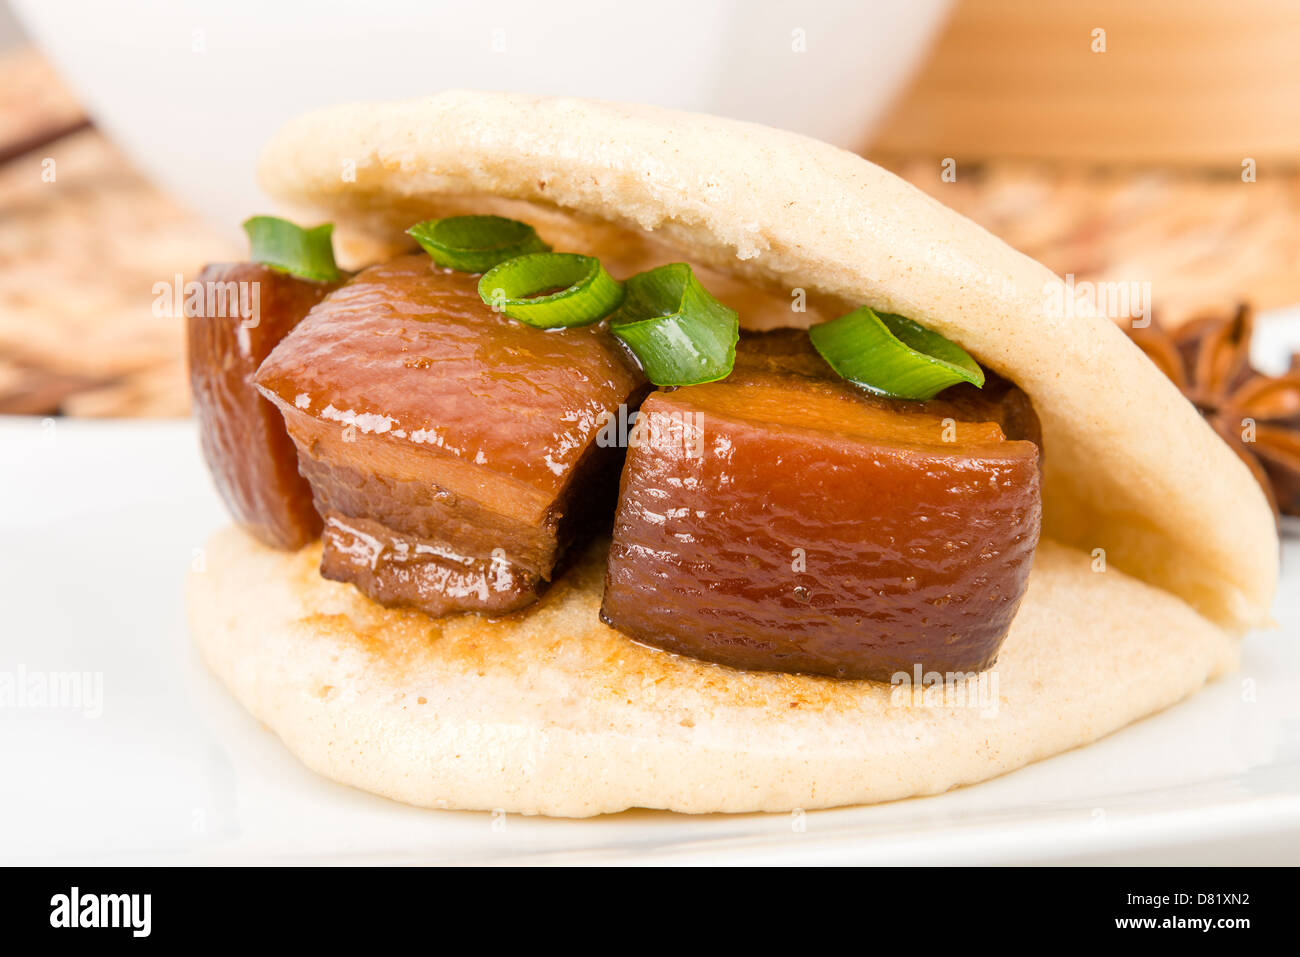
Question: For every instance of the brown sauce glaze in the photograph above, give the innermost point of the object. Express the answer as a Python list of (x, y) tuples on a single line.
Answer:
[(452, 451), (248, 451), (785, 521)]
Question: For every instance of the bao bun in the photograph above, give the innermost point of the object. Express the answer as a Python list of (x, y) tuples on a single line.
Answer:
[(549, 711)]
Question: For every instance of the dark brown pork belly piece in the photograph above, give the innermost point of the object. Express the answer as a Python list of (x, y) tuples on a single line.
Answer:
[(452, 451), (785, 521), (790, 351), (248, 451)]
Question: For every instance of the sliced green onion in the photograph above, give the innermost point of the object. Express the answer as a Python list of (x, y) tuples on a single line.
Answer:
[(518, 287), (679, 333), (280, 244), (476, 243), (892, 355)]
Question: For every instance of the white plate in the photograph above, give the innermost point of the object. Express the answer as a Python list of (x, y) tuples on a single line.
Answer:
[(99, 523)]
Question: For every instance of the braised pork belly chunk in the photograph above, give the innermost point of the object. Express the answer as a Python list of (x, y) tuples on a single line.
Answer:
[(452, 452), (784, 520), (247, 309), (788, 352)]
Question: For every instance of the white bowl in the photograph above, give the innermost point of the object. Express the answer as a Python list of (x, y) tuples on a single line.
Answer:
[(191, 90)]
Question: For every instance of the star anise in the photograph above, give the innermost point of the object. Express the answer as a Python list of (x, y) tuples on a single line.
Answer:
[(1208, 358)]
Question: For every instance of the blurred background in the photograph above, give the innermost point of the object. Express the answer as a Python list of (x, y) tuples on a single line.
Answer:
[(1155, 142)]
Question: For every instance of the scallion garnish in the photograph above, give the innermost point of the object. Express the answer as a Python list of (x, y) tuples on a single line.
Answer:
[(584, 292), (679, 333), (892, 355), (278, 243), (476, 243)]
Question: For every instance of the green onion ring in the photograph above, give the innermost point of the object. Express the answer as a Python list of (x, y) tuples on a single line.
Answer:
[(585, 293), (680, 334), (476, 243), (893, 356), (278, 243)]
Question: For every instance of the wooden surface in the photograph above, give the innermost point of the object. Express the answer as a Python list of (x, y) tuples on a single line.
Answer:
[(1192, 82), (79, 255)]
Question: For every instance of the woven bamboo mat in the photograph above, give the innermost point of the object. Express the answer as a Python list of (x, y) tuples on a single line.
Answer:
[(79, 255), (1203, 239)]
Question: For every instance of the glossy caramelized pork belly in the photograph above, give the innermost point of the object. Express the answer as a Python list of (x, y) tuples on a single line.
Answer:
[(789, 351), (779, 520), (452, 451), (244, 440)]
